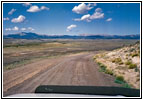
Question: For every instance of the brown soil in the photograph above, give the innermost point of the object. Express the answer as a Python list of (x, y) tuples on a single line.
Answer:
[(74, 69)]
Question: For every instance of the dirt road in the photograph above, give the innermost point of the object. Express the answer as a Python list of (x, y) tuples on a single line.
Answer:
[(74, 69)]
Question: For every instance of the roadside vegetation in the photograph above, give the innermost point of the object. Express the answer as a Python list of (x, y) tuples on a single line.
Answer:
[(123, 64), (119, 79)]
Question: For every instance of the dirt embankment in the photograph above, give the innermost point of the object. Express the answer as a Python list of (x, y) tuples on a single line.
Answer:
[(123, 62)]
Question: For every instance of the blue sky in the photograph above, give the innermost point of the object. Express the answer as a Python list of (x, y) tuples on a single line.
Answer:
[(72, 18)]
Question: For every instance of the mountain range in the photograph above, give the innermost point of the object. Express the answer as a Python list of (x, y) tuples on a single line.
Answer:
[(30, 35)]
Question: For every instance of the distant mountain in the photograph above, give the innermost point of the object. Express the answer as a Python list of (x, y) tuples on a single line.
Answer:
[(29, 35)]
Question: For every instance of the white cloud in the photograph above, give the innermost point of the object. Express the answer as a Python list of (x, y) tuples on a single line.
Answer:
[(23, 29), (109, 19), (12, 29), (27, 29), (44, 8), (33, 9), (11, 12), (31, 29), (77, 19), (15, 28), (84, 18), (98, 10), (20, 18), (92, 4), (8, 29), (69, 28), (27, 4), (96, 15), (82, 8), (37, 9), (6, 18)]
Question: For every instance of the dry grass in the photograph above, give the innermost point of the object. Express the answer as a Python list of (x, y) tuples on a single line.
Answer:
[(117, 60), (23, 50), (123, 62)]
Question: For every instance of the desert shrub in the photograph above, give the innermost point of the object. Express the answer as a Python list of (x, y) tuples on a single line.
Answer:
[(117, 60), (99, 63), (109, 72), (96, 56), (120, 78), (135, 54), (131, 66), (136, 69), (7, 68), (125, 51), (137, 42), (138, 47), (138, 52), (102, 67), (132, 49), (138, 79), (128, 62), (120, 63), (127, 54), (102, 55)]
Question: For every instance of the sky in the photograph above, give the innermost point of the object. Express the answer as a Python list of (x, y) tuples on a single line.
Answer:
[(72, 18)]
